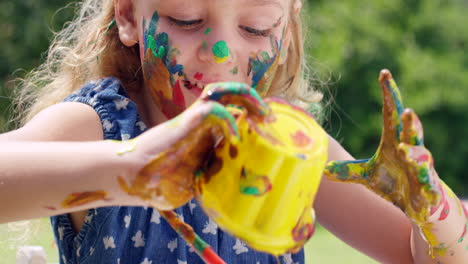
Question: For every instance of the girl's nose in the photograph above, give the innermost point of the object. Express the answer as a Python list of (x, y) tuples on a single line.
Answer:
[(215, 51)]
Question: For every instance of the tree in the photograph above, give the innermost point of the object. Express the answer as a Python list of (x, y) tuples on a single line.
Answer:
[(423, 43), (26, 31)]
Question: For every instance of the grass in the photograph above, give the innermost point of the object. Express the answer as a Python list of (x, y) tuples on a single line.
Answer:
[(31, 233), (323, 248)]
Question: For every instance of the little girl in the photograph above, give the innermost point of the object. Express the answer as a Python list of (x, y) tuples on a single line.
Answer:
[(122, 66)]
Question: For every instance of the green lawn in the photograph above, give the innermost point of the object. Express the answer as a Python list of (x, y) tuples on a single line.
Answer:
[(325, 248), (322, 248)]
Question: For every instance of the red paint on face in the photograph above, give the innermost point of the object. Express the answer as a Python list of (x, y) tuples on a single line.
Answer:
[(301, 140), (198, 76), (52, 208), (179, 99)]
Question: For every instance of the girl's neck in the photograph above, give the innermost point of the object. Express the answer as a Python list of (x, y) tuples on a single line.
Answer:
[(149, 112)]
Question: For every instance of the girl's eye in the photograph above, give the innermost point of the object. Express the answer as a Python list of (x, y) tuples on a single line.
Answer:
[(256, 32), (186, 24)]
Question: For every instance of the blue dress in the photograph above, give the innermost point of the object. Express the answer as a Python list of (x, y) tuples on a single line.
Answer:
[(138, 234)]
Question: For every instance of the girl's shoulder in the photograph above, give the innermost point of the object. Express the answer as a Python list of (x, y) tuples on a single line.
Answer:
[(118, 114), (109, 88)]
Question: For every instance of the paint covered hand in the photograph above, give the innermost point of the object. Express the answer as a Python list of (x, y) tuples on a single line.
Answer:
[(401, 171), (166, 180)]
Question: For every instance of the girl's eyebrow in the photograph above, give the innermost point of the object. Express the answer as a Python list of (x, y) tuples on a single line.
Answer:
[(266, 2)]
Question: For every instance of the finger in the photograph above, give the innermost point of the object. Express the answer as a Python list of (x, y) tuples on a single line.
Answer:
[(392, 105), (419, 164), (237, 94), (348, 171), (201, 116), (198, 129), (214, 114), (412, 132), (420, 159)]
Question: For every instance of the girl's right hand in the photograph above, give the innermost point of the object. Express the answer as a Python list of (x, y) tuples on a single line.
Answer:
[(172, 153)]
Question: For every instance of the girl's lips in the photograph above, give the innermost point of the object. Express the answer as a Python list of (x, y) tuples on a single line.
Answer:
[(194, 88), (197, 86)]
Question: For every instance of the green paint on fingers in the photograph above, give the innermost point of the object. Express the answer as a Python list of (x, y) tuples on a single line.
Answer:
[(221, 113), (423, 176)]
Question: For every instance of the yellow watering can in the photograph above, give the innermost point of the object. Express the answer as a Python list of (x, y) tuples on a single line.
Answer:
[(261, 188)]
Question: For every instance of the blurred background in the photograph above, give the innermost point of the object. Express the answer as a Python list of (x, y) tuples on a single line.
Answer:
[(423, 42)]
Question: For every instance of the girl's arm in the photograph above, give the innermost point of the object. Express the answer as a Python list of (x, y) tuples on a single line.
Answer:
[(60, 122), (156, 168), (402, 173), (361, 218), (40, 179)]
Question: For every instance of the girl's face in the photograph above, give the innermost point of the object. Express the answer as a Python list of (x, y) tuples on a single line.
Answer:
[(187, 44)]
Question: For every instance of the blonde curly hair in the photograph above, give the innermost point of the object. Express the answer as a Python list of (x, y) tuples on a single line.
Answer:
[(89, 48)]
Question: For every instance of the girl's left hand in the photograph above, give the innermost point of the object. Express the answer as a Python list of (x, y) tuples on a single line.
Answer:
[(402, 169)]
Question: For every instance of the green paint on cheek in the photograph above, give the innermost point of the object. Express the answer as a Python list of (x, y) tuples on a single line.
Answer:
[(235, 70), (204, 45), (220, 51), (265, 56), (207, 31), (175, 51), (157, 51)]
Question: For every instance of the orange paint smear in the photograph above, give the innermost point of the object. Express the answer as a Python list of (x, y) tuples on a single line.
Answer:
[(77, 199)]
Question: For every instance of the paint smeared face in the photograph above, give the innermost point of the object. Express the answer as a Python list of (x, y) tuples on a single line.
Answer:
[(187, 44)]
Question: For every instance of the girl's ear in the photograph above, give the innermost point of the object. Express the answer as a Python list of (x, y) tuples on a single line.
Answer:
[(126, 23)]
